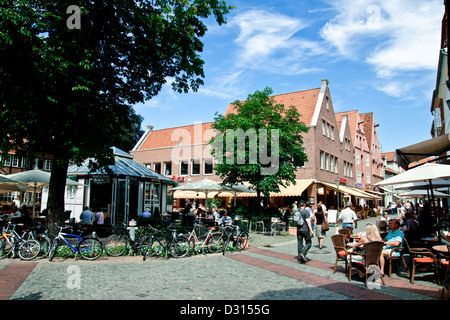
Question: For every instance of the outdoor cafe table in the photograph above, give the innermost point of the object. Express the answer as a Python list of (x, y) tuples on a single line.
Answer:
[(442, 248)]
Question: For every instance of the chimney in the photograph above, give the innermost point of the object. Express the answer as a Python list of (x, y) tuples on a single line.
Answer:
[(325, 82)]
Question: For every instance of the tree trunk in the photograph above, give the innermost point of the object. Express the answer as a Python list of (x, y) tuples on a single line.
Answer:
[(55, 204)]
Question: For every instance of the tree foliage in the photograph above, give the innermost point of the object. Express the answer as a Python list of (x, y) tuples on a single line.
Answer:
[(68, 92), (235, 153)]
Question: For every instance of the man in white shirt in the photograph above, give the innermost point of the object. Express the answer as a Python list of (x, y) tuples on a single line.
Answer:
[(348, 217)]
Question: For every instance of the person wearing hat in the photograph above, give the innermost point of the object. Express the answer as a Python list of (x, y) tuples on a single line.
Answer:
[(304, 231), (348, 217)]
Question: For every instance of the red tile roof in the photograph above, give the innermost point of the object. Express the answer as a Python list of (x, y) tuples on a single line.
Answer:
[(305, 101), (170, 137)]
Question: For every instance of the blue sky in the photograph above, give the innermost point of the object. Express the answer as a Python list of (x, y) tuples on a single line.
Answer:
[(379, 56)]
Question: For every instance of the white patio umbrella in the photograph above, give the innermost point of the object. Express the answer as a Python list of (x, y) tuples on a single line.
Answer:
[(206, 186), (423, 185), (427, 172), (422, 194), (37, 178), (424, 173), (8, 185)]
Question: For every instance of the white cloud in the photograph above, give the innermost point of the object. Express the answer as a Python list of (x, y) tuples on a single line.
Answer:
[(271, 42), (392, 36)]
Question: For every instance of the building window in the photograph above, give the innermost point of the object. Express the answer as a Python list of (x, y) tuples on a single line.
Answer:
[(157, 167), (368, 179), (167, 166), (208, 167), (332, 132), (195, 167), (358, 176), (357, 158), (367, 161), (327, 103), (321, 160), (336, 165), (184, 168), (48, 165), (323, 127)]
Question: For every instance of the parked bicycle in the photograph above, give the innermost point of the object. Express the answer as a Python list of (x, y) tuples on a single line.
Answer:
[(90, 248), (12, 243), (168, 243), (38, 234), (117, 244), (235, 235), (205, 238)]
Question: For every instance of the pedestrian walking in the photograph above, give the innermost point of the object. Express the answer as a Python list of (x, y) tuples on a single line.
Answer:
[(304, 231), (320, 217), (348, 217)]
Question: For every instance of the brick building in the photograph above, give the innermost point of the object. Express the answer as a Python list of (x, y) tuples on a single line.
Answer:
[(183, 153)]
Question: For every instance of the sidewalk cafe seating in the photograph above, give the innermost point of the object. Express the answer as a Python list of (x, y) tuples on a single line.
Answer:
[(394, 258), (346, 232), (371, 254), (423, 259), (341, 252)]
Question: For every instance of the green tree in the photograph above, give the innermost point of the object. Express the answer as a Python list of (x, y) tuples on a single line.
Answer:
[(69, 78), (260, 143)]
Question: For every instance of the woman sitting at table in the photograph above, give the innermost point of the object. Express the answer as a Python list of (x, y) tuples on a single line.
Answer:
[(371, 234)]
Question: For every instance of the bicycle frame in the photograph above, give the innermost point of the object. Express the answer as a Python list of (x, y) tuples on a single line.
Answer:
[(193, 235)]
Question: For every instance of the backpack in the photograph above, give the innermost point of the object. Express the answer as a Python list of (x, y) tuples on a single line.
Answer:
[(299, 218)]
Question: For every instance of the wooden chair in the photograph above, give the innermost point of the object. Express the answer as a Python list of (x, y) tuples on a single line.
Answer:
[(346, 232), (445, 264), (422, 258), (372, 254), (393, 257), (341, 252)]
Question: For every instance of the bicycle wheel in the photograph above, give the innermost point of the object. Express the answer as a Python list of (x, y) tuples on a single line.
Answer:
[(29, 249), (242, 241), (53, 249), (180, 247), (214, 243), (115, 245), (45, 243), (142, 244), (154, 248), (5, 249), (90, 248)]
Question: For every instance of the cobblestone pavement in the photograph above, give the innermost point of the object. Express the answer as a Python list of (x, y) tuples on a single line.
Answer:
[(268, 270)]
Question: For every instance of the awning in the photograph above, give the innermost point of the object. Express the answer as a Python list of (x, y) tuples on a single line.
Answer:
[(432, 147), (291, 190), (351, 191)]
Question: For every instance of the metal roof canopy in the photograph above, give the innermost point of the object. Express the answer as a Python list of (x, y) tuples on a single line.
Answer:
[(124, 165), (432, 147)]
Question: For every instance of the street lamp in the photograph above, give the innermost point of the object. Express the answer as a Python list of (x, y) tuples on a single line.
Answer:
[(338, 181)]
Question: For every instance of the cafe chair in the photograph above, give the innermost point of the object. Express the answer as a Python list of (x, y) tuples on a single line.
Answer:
[(341, 252), (346, 232), (267, 226), (371, 255), (423, 259), (393, 257), (445, 265)]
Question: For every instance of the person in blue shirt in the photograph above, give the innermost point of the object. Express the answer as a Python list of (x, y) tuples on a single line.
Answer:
[(394, 239), (86, 216)]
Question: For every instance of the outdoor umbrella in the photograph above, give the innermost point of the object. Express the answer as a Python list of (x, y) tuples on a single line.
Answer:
[(205, 186), (7, 185), (423, 185), (422, 194), (36, 179), (424, 173)]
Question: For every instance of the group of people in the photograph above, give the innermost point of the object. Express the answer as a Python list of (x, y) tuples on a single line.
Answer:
[(17, 215), (309, 222), (88, 217)]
